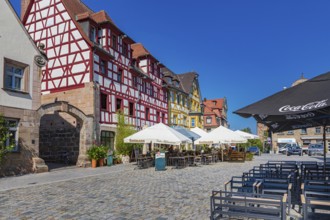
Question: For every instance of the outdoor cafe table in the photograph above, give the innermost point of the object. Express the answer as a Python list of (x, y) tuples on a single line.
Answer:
[(190, 159), (178, 161), (144, 161)]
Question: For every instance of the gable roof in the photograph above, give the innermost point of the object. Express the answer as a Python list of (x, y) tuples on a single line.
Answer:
[(187, 80), (139, 50), (170, 74), (10, 6)]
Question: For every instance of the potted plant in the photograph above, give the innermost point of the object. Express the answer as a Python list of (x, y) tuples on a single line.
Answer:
[(102, 154), (93, 154)]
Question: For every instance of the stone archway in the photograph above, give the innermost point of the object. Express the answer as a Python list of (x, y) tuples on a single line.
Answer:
[(86, 130)]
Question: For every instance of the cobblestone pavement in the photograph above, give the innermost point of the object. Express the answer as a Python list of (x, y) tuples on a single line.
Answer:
[(120, 192)]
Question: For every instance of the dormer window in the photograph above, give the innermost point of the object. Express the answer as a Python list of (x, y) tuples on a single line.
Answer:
[(92, 34), (114, 42), (99, 36), (152, 69), (214, 102), (125, 49)]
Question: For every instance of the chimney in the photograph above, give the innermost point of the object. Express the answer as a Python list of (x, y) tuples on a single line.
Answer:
[(24, 6)]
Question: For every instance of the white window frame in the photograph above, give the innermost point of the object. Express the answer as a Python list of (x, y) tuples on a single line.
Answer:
[(19, 81), (193, 122)]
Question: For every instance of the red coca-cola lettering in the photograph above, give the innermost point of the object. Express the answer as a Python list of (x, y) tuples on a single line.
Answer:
[(306, 107)]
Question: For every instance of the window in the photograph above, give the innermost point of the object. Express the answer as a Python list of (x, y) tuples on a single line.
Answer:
[(163, 117), (208, 120), (318, 130), (165, 96), (131, 109), (99, 36), (135, 82), (152, 68), (16, 75), (184, 120), (103, 67), (144, 89), (147, 113), (125, 49), (175, 119), (104, 105), (92, 34), (172, 96), (120, 75), (118, 104), (183, 101), (193, 122), (290, 132), (157, 117), (13, 139), (178, 99), (114, 42), (108, 139), (303, 131)]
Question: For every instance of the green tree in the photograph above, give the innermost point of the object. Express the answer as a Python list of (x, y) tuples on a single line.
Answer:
[(5, 135), (251, 142), (123, 130)]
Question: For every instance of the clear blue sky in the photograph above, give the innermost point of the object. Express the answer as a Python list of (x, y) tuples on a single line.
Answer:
[(244, 50)]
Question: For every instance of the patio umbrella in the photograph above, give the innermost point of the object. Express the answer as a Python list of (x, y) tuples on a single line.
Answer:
[(247, 135), (190, 134), (159, 134), (221, 135), (302, 106), (198, 131)]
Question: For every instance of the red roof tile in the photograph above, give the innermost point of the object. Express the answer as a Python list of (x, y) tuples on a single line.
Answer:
[(139, 50)]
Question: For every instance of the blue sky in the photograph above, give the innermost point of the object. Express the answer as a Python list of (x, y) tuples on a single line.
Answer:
[(244, 50)]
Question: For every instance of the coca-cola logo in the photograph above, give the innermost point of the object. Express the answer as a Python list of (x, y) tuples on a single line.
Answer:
[(306, 107)]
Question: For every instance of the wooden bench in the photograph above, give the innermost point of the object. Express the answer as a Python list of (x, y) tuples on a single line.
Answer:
[(276, 187), (236, 156), (314, 200), (241, 184), (246, 205)]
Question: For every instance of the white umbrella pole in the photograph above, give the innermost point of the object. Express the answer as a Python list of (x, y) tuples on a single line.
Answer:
[(144, 150)]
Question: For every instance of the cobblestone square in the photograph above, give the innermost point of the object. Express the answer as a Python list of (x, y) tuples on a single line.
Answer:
[(121, 192)]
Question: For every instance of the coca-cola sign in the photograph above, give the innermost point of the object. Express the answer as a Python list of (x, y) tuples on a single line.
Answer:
[(307, 107)]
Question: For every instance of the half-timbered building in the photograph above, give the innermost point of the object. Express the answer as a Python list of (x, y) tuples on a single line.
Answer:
[(20, 62), (91, 75)]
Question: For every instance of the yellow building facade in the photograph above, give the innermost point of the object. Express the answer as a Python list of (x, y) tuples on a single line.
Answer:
[(178, 100), (190, 85)]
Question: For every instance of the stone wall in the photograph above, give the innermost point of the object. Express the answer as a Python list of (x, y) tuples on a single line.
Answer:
[(59, 136), (81, 98), (21, 162)]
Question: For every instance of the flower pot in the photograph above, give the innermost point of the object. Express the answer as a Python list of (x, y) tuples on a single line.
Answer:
[(101, 162), (94, 163)]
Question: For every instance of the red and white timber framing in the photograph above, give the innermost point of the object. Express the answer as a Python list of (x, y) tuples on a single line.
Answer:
[(74, 60)]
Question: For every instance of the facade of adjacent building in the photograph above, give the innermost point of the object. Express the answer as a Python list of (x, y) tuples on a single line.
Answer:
[(20, 62), (178, 100), (190, 85), (303, 137), (215, 113), (92, 73)]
